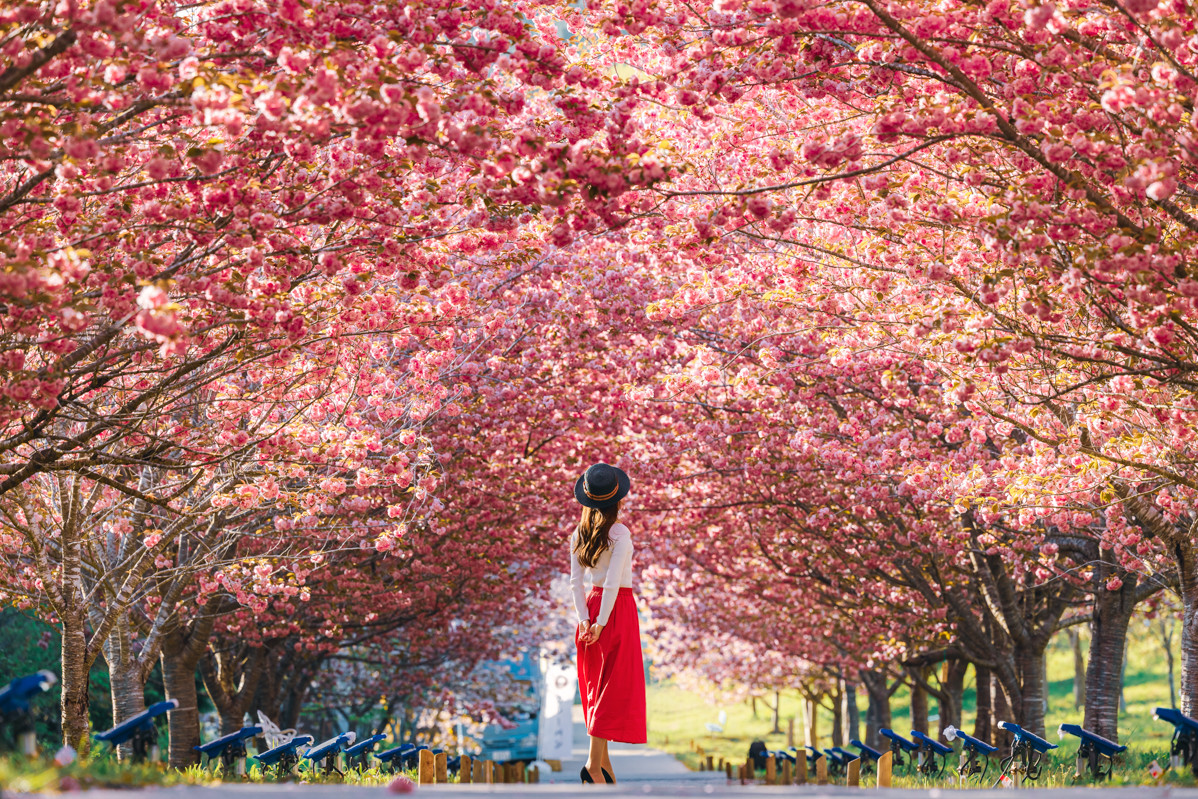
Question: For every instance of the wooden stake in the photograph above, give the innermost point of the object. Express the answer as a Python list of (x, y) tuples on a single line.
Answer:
[(426, 768), (801, 768), (534, 775), (854, 780), (885, 763), (821, 770), (710, 763), (787, 773), (489, 772), (441, 764), (464, 772), (477, 775), (771, 771), (728, 770)]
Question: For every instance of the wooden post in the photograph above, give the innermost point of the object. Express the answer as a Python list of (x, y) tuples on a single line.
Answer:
[(801, 768), (854, 780), (821, 770), (728, 770), (477, 775), (787, 773), (441, 764), (464, 772), (771, 771), (750, 769), (489, 772), (710, 763), (885, 763), (534, 775), (426, 768)]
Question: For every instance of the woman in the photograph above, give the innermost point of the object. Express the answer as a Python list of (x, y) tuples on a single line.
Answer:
[(611, 670)]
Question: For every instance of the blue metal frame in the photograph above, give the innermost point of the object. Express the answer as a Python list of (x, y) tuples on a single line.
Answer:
[(901, 749), (1027, 752), (1183, 749), (932, 755), (975, 755), (284, 756), (138, 731), (1095, 752), (229, 748)]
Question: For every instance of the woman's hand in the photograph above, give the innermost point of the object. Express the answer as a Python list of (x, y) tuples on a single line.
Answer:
[(592, 635), (583, 629)]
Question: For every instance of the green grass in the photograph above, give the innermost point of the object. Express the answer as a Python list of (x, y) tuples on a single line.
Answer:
[(677, 717), (103, 770)]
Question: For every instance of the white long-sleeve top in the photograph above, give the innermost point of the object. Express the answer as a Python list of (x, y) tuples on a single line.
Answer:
[(611, 572)]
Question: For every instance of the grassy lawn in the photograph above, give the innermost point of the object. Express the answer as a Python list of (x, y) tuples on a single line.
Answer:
[(678, 718)]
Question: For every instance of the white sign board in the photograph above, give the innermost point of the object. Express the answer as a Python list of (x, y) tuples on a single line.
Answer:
[(555, 733)]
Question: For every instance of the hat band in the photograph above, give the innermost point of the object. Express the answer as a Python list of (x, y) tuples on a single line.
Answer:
[(586, 489)]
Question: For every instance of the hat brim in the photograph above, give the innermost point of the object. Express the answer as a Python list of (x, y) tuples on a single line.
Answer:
[(621, 478)]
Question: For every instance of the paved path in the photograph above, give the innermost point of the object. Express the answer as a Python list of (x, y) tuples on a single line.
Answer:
[(633, 764)]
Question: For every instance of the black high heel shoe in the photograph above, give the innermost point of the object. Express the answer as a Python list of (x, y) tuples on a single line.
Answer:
[(585, 775), (610, 780)]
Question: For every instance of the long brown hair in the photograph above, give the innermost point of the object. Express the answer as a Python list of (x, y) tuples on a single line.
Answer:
[(594, 530)]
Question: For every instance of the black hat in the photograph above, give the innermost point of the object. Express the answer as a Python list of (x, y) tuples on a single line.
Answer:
[(601, 486)]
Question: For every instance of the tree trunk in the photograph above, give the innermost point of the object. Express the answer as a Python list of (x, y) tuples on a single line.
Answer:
[(919, 700), (126, 681), (1032, 688), (1104, 674), (1165, 627), (877, 712), (290, 711), (810, 721), (981, 723), (74, 704), (1188, 584), (1000, 706), (1123, 680), (232, 690), (850, 714), (838, 717), (179, 678), (952, 689), (777, 730), (1079, 669)]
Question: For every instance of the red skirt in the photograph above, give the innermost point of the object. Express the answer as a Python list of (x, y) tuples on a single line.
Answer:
[(611, 673)]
